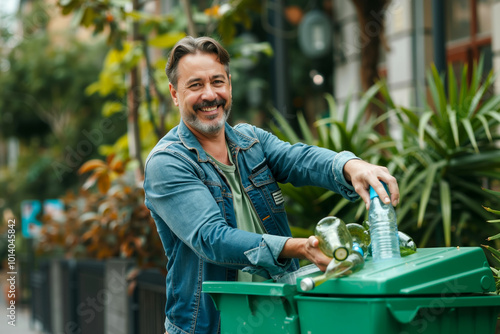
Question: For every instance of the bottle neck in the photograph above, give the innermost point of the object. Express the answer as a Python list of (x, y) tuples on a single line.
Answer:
[(357, 248), (374, 194)]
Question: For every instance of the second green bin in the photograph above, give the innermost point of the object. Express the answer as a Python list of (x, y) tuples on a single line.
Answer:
[(436, 290)]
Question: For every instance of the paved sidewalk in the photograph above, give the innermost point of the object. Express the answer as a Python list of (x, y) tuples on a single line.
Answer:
[(23, 320)]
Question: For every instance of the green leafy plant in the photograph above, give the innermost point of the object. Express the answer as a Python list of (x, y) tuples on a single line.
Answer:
[(449, 149), (344, 129), (44, 108), (494, 251)]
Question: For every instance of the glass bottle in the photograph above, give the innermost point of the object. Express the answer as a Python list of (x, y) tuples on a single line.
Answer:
[(406, 244), (351, 264), (337, 239), (334, 238), (360, 238)]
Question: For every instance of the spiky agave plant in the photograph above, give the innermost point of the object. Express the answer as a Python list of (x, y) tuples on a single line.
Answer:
[(450, 150), (347, 128), (494, 252)]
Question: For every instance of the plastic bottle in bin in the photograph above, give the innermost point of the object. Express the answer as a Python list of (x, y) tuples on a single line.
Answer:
[(383, 228), (406, 244), (334, 238)]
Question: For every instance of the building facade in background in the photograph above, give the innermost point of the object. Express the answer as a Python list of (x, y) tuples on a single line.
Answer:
[(467, 27)]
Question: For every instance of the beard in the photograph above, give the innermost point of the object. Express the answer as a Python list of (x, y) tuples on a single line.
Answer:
[(213, 126)]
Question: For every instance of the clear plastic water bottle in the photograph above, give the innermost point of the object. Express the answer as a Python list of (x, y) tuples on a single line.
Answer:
[(383, 228), (406, 244)]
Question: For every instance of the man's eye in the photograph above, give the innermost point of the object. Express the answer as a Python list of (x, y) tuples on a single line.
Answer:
[(196, 85)]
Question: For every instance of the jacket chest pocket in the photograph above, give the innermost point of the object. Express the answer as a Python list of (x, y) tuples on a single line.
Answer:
[(263, 180)]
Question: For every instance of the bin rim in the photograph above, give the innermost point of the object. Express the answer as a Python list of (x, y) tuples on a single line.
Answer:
[(267, 288)]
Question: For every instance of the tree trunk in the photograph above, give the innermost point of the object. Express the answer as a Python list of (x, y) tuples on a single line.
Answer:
[(371, 22), (133, 101), (191, 27)]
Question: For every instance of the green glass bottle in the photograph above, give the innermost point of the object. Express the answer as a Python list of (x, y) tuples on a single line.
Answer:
[(334, 238), (335, 269), (360, 238), (347, 244), (406, 244)]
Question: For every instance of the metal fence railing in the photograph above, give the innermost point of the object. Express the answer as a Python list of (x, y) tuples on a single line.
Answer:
[(68, 293), (40, 296), (149, 300), (92, 296), (80, 293)]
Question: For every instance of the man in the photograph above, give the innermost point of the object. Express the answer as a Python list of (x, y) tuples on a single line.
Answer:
[(213, 190)]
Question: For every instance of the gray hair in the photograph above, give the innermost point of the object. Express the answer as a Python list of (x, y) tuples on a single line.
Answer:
[(190, 45)]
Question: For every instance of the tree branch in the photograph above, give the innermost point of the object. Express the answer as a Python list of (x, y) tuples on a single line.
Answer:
[(191, 26)]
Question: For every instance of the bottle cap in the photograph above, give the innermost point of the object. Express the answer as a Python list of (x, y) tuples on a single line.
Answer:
[(373, 193), (307, 284)]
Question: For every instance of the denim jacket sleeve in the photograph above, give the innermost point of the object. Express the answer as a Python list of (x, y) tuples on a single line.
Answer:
[(174, 186), (302, 164)]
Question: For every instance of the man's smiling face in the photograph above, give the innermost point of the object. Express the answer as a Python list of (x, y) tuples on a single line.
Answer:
[(203, 93)]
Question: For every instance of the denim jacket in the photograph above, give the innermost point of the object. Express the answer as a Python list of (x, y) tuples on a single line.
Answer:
[(192, 206)]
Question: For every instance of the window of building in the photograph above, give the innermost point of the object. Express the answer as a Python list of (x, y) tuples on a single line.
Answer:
[(468, 33)]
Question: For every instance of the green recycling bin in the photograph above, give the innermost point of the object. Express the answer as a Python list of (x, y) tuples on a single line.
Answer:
[(436, 290), (255, 308)]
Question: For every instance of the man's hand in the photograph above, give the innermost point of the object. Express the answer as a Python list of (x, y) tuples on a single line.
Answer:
[(362, 175), (302, 248)]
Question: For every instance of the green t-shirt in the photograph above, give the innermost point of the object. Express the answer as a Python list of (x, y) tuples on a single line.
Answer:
[(246, 216)]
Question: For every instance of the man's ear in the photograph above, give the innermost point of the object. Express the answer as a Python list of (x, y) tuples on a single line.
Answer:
[(173, 93)]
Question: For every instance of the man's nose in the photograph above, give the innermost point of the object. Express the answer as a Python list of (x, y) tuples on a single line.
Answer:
[(208, 93)]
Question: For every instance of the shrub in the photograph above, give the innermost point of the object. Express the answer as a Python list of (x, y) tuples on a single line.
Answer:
[(110, 222)]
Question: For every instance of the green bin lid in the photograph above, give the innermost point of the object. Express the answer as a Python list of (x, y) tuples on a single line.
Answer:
[(444, 271)]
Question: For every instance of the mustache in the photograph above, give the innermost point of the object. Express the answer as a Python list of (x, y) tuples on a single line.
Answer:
[(206, 104)]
